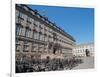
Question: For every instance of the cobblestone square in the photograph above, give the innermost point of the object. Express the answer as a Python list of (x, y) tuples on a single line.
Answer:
[(88, 62)]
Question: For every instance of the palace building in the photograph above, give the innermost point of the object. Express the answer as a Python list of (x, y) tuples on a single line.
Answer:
[(37, 37), (83, 50)]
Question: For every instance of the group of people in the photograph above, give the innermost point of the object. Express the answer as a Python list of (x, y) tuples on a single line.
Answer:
[(38, 65)]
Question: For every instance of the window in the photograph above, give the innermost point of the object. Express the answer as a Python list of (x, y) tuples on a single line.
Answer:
[(46, 38), (17, 45), (29, 20), (34, 47), (36, 35), (33, 35), (42, 37), (27, 32), (20, 18), (17, 41), (18, 29), (25, 49), (21, 15), (36, 23), (40, 26), (17, 13)]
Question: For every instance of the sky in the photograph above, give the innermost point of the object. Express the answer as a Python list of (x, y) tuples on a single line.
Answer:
[(78, 22)]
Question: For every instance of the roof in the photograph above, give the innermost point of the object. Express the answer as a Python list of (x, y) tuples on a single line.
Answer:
[(47, 20)]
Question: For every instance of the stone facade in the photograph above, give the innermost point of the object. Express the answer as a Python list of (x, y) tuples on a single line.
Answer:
[(37, 37)]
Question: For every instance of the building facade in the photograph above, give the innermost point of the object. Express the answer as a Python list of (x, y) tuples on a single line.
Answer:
[(84, 50), (37, 37)]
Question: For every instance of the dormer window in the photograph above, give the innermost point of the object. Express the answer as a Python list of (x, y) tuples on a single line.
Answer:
[(26, 8)]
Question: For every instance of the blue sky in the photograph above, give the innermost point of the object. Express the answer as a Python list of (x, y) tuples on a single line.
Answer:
[(78, 22)]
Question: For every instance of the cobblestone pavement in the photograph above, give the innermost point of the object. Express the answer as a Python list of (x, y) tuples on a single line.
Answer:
[(88, 63)]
